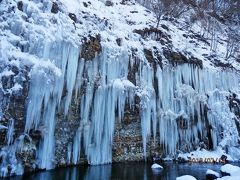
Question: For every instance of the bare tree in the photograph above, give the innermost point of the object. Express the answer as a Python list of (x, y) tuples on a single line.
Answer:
[(233, 40)]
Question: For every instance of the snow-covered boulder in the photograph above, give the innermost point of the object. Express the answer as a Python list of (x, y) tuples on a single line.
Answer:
[(156, 166), (211, 175), (229, 169), (186, 177)]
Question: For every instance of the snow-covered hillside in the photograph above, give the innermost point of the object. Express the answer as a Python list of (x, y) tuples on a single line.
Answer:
[(72, 70)]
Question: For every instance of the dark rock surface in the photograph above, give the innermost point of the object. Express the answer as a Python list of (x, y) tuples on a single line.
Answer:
[(55, 8), (109, 3), (73, 17), (179, 58), (20, 5), (91, 48), (211, 177)]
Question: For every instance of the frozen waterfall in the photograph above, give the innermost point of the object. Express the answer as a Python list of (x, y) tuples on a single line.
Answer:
[(181, 105), (188, 105)]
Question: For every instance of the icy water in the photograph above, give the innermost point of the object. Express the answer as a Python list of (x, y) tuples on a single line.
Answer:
[(126, 171)]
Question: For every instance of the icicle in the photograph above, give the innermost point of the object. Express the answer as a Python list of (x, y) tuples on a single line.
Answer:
[(46, 94), (10, 131), (148, 104), (182, 92), (46, 148), (175, 107), (76, 146), (9, 164), (71, 75), (107, 90)]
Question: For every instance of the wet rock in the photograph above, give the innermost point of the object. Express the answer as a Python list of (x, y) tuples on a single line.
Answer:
[(133, 12), (197, 37), (182, 123), (128, 143), (20, 5), (148, 54), (222, 64), (211, 175), (181, 160), (234, 105), (134, 68), (7, 82), (164, 27), (91, 48), (154, 33), (109, 3), (15, 70), (13, 103), (179, 58), (153, 57), (85, 4), (73, 17), (65, 130), (223, 158), (55, 8), (35, 134), (119, 41), (27, 155)]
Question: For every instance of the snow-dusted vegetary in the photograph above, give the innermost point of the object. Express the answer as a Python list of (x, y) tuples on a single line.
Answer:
[(182, 102)]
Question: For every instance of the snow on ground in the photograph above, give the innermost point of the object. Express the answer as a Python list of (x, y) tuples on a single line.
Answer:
[(112, 22), (72, 6)]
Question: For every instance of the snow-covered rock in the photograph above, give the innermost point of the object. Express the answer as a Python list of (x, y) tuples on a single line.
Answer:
[(229, 169), (186, 177), (156, 166), (203, 155)]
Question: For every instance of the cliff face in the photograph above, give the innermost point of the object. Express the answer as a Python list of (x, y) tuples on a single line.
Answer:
[(93, 82)]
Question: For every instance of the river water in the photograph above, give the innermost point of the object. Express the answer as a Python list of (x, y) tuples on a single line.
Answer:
[(125, 171)]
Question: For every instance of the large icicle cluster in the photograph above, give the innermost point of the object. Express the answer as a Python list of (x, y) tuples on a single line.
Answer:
[(189, 106), (107, 90), (46, 92), (183, 104)]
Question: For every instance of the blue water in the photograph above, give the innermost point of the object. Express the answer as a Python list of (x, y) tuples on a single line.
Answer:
[(126, 171)]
